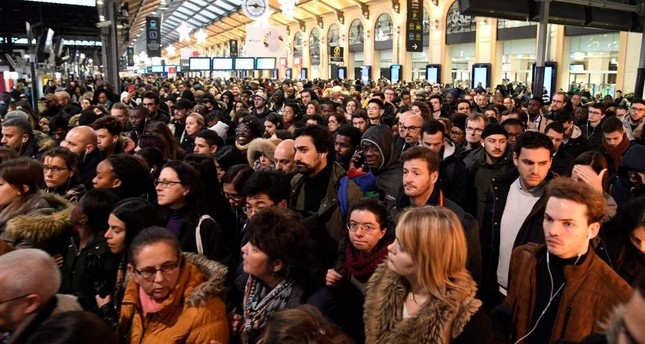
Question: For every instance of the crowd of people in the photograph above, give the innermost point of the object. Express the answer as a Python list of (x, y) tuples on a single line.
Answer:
[(196, 210)]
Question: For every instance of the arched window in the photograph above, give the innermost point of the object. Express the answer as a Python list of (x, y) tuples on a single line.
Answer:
[(297, 44), (356, 32), (314, 46), (333, 35), (383, 30)]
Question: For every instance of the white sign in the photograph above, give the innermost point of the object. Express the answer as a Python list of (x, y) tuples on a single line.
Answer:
[(265, 41)]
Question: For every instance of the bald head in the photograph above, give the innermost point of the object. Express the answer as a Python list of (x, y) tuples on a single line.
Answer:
[(410, 128), (80, 140), (28, 279), (283, 156)]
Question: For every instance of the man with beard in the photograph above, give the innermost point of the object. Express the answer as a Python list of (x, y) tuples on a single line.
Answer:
[(315, 189), (489, 160), (53, 108), (573, 142), (558, 105), (260, 108), (514, 211), (453, 177), (410, 130), (65, 103), (635, 122), (420, 188), (562, 161), (614, 143), (346, 141), (178, 122), (536, 121)]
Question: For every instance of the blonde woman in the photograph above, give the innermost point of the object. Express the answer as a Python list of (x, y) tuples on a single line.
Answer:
[(194, 124), (423, 292)]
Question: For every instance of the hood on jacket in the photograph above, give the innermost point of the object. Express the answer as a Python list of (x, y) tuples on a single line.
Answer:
[(449, 149), (44, 223), (633, 159), (381, 137), (215, 274), (576, 132), (259, 147)]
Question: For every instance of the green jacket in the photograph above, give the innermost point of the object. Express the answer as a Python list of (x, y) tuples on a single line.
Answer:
[(329, 211)]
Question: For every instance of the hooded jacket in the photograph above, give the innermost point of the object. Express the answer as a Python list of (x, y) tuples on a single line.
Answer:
[(577, 143), (48, 228), (259, 147), (192, 313), (453, 176), (389, 174), (457, 319)]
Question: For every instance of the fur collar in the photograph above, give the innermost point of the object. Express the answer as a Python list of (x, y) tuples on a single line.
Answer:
[(436, 322), (41, 224)]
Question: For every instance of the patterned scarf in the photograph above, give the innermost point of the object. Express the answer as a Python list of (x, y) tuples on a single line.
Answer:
[(616, 153), (260, 303), (360, 266)]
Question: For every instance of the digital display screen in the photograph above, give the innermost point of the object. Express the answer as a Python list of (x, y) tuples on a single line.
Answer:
[(548, 79), (303, 73), (432, 75), (265, 63), (244, 63), (157, 69), (365, 74), (288, 73), (395, 71), (222, 63), (480, 77), (199, 63), (342, 73)]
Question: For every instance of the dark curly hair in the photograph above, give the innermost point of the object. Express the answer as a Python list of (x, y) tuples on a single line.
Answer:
[(282, 238), (136, 181), (137, 214)]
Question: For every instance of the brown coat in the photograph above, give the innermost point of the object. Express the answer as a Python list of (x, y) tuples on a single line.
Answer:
[(592, 290), (193, 313)]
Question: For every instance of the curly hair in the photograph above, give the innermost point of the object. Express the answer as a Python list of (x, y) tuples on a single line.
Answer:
[(282, 238), (136, 181)]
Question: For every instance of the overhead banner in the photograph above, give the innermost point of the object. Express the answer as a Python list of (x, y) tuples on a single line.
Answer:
[(153, 36), (265, 41), (337, 54), (414, 25)]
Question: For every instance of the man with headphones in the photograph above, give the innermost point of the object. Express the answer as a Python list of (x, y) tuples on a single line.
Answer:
[(561, 290)]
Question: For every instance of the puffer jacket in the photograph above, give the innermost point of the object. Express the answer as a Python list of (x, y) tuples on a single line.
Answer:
[(192, 313), (591, 291), (48, 228), (389, 175), (457, 319)]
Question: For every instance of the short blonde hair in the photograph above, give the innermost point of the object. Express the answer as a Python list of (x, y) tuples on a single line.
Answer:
[(435, 240), (199, 118)]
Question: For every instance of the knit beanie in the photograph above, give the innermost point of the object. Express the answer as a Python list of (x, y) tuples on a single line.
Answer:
[(494, 129)]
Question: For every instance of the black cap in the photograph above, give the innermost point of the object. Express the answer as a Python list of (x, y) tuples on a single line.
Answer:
[(183, 104), (494, 129)]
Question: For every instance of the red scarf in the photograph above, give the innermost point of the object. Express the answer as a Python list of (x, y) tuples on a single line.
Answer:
[(360, 266), (615, 154)]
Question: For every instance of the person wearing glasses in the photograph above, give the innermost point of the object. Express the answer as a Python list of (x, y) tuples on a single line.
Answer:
[(151, 103), (374, 111), (592, 130), (364, 248), (475, 124), (635, 122), (173, 297), (30, 217), (180, 195), (60, 168), (29, 281), (423, 293), (410, 130)]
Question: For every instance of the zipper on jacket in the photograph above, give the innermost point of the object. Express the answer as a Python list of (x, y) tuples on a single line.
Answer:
[(566, 321)]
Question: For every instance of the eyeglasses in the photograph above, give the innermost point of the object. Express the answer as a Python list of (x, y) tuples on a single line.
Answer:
[(474, 130), (231, 197), (252, 210), (411, 128), (595, 112), (637, 109), (367, 229), (14, 299), (373, 108), (149, 272), (456, 132), (165, 184), (54, 169), (242, 130)]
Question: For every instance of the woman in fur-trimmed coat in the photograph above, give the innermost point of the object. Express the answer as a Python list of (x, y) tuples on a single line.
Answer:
[(423, 292)]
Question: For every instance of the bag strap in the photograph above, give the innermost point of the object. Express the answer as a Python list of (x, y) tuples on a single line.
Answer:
[(198, 234), (342, 196)]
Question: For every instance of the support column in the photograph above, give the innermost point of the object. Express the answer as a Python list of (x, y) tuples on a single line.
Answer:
[(640, 74), (110, 50), (538, 77)]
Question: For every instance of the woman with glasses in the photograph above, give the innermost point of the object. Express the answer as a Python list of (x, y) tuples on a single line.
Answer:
[(172, 297), (423, 293), (60, 168), (30, 217), (276, 268), (364, 248), (182, 202)]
